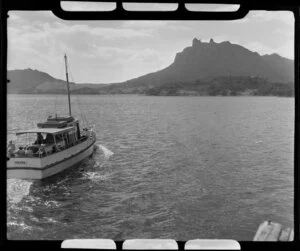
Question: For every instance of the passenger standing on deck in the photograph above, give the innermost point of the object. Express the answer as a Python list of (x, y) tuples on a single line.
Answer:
[(11, 149), (39, 139)]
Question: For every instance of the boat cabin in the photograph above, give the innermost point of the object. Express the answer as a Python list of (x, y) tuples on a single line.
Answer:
[(54, 135)]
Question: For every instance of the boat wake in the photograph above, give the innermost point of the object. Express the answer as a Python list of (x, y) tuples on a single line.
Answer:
[(107, 153), (97, 164), (95, 176), (16, 224), (40, 202), (17, 189), (44, 220)]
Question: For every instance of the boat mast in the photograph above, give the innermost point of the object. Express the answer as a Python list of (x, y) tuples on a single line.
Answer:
[(68, 85)]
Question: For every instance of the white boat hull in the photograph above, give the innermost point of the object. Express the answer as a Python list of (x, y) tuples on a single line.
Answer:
[(40, 168)]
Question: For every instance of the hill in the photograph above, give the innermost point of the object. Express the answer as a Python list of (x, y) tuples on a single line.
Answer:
[(203, 61), (224, 86), (33, 81), (205, 68)]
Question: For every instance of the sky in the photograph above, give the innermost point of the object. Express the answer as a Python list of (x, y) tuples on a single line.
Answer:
[(116, 51)]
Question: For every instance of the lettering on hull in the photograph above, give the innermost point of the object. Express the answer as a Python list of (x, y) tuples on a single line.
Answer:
[(40, 173), (20, 162)]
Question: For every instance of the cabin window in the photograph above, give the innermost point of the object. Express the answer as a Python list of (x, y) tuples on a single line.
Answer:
[(49, 139)]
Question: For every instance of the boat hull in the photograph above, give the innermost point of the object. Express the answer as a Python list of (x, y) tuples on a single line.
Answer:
[(40, 168)]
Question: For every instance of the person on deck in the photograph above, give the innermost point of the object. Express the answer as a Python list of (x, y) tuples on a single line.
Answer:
[(49, 139), (20, 152), (39, 140), (28, 152), (11, 149)]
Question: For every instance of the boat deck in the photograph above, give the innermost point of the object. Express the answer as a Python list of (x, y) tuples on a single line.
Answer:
[(43, 150)]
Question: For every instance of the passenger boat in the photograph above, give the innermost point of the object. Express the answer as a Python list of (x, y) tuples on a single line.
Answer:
[(51, 147)]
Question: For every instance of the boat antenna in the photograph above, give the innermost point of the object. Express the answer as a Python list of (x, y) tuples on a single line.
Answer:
[(68, 86)]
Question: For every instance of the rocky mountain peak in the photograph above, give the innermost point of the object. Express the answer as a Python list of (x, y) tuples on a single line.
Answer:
[(196, 42), (206, 59)]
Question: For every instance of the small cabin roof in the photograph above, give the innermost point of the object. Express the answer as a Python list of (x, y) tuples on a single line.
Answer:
[(60, 118), (46, 130)]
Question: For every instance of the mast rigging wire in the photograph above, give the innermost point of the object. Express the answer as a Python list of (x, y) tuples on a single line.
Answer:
[(79, 103)]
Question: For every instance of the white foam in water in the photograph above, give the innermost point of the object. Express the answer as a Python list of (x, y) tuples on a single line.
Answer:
[(17, 224), (97, 164), (50, 220), (17, 189), (107, 153), (51, 203), (94, 176), (43, 220)]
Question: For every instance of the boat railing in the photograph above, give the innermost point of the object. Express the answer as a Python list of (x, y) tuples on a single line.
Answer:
[(40, 151), (27, 151)]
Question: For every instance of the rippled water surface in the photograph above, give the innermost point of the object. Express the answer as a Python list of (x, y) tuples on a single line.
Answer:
[(163, 167)]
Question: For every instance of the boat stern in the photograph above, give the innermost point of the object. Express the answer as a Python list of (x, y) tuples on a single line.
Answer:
[(24, 168)]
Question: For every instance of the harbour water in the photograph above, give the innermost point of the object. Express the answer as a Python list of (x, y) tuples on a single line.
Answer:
[(163, 167)]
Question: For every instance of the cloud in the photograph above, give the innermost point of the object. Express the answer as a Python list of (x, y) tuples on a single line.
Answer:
[(141, 24), (13, 17), (285, 17), (286, 49), (78, 38), (146, 55), (259, 47), (104, 32), (42, 45), (140, 63), (285, 32), (154, 27), (31, 18)]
